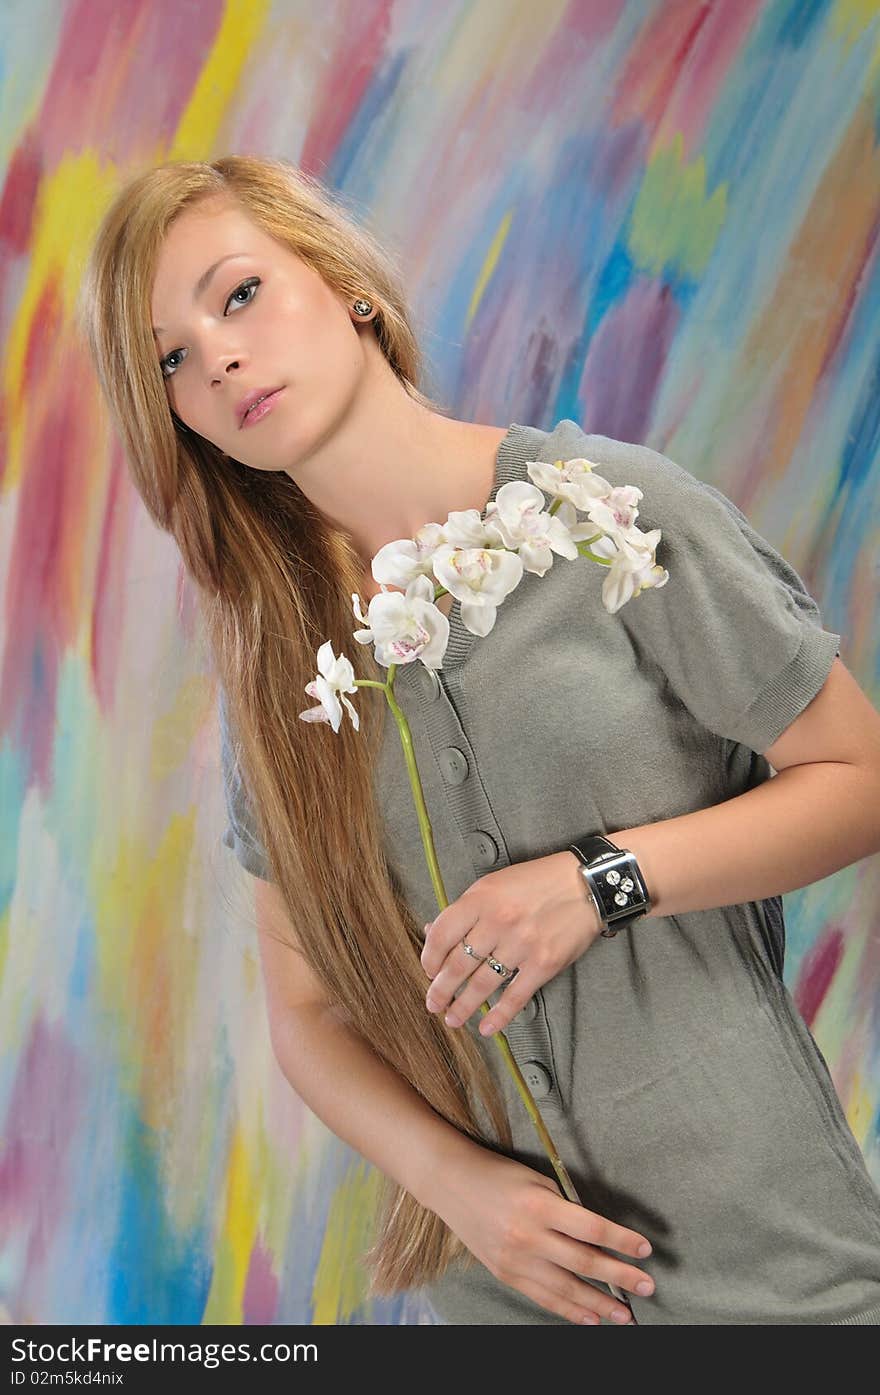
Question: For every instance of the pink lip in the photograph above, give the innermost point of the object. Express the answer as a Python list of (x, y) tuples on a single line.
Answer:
[(256, 413)]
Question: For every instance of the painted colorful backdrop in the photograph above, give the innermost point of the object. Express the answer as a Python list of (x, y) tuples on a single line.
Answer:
[(660, 219)]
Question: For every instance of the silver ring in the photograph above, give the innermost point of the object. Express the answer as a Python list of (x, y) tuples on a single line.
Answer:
[(472, 952), (499, 968)]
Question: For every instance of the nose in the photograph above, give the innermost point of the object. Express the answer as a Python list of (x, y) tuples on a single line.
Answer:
[(224, 364)]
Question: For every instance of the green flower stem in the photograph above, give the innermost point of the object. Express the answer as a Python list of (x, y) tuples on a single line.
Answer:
[(586, 551), (440, 891), (427, 833)]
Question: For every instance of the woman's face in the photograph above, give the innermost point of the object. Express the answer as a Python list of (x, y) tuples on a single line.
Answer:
[(264, 320)]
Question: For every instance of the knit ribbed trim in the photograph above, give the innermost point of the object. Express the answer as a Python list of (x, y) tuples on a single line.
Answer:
[(783, 699), (866, 1319)]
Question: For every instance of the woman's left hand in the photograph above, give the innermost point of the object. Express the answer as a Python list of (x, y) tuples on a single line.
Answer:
[(533, 916)]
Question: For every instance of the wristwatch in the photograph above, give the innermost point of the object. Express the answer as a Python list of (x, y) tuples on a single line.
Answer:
[(614, 882)]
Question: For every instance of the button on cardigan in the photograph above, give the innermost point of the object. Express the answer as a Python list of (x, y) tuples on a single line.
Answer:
[(686, 1094)]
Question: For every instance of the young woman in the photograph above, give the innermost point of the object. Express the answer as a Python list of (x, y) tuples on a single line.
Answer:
[(689, 1101)]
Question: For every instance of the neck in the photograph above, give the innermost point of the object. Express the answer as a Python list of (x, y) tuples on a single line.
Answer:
[(391, 465)]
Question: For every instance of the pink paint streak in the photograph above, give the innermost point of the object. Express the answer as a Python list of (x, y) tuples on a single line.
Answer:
[(19, 195), (110, 592), (678, 64), (260, 1301), (817, 972), (564, 63), (123, 75), (45, 1112), (363, 31)]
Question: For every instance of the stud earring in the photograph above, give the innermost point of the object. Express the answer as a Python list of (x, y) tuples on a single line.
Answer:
[(362, 307)]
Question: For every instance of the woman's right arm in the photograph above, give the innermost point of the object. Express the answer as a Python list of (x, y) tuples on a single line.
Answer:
[(512, 1218)]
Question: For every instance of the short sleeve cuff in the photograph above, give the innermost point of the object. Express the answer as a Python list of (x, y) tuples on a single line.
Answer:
[(791, 690)]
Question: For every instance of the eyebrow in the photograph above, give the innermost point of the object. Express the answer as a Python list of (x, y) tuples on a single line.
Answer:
[(204, 281)]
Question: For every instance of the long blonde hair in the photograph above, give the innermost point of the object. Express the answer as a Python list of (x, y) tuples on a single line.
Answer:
[(274, 580)]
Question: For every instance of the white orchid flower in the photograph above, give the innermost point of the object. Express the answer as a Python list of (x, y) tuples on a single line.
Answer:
[(613, 513), (578, 529), (575, 481), (465, 528), (480, 561), (400, 562), (630, 551), (633, 566), (479, 578), (519, 518), (335, 679), (404, 626), (616, 511)]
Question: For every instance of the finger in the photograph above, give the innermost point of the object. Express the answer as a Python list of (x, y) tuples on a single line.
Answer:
[(451, 926), (458, 968), (483, 983), (573, 1299), (520, 989), (582, 1224), (579, 1257), (552, 1302), (571, 1287)]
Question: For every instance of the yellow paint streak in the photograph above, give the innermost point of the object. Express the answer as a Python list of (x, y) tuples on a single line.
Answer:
[(283, 1171), (237, 1238), (848, 20), (860, 1110), (485, 34), (5, 920), (137, 892), (674, 223), (68, 207), (341, 1280), (489, 265), (177, 727), (201, 124)]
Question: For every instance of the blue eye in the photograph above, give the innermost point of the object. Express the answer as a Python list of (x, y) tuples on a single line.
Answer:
[(249, 285)]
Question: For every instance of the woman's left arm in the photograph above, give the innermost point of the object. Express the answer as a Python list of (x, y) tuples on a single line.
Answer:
[(820, 812)]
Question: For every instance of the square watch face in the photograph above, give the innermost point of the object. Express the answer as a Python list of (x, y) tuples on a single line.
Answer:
[(617, 886)]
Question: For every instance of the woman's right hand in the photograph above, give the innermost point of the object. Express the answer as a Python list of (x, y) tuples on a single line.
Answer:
[(515, 1221)]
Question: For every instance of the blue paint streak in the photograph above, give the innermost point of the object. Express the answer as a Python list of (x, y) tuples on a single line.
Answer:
[(159, 1275), (356, 158), (13, 773), (793, 26), (81, 981), (615, 279)]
